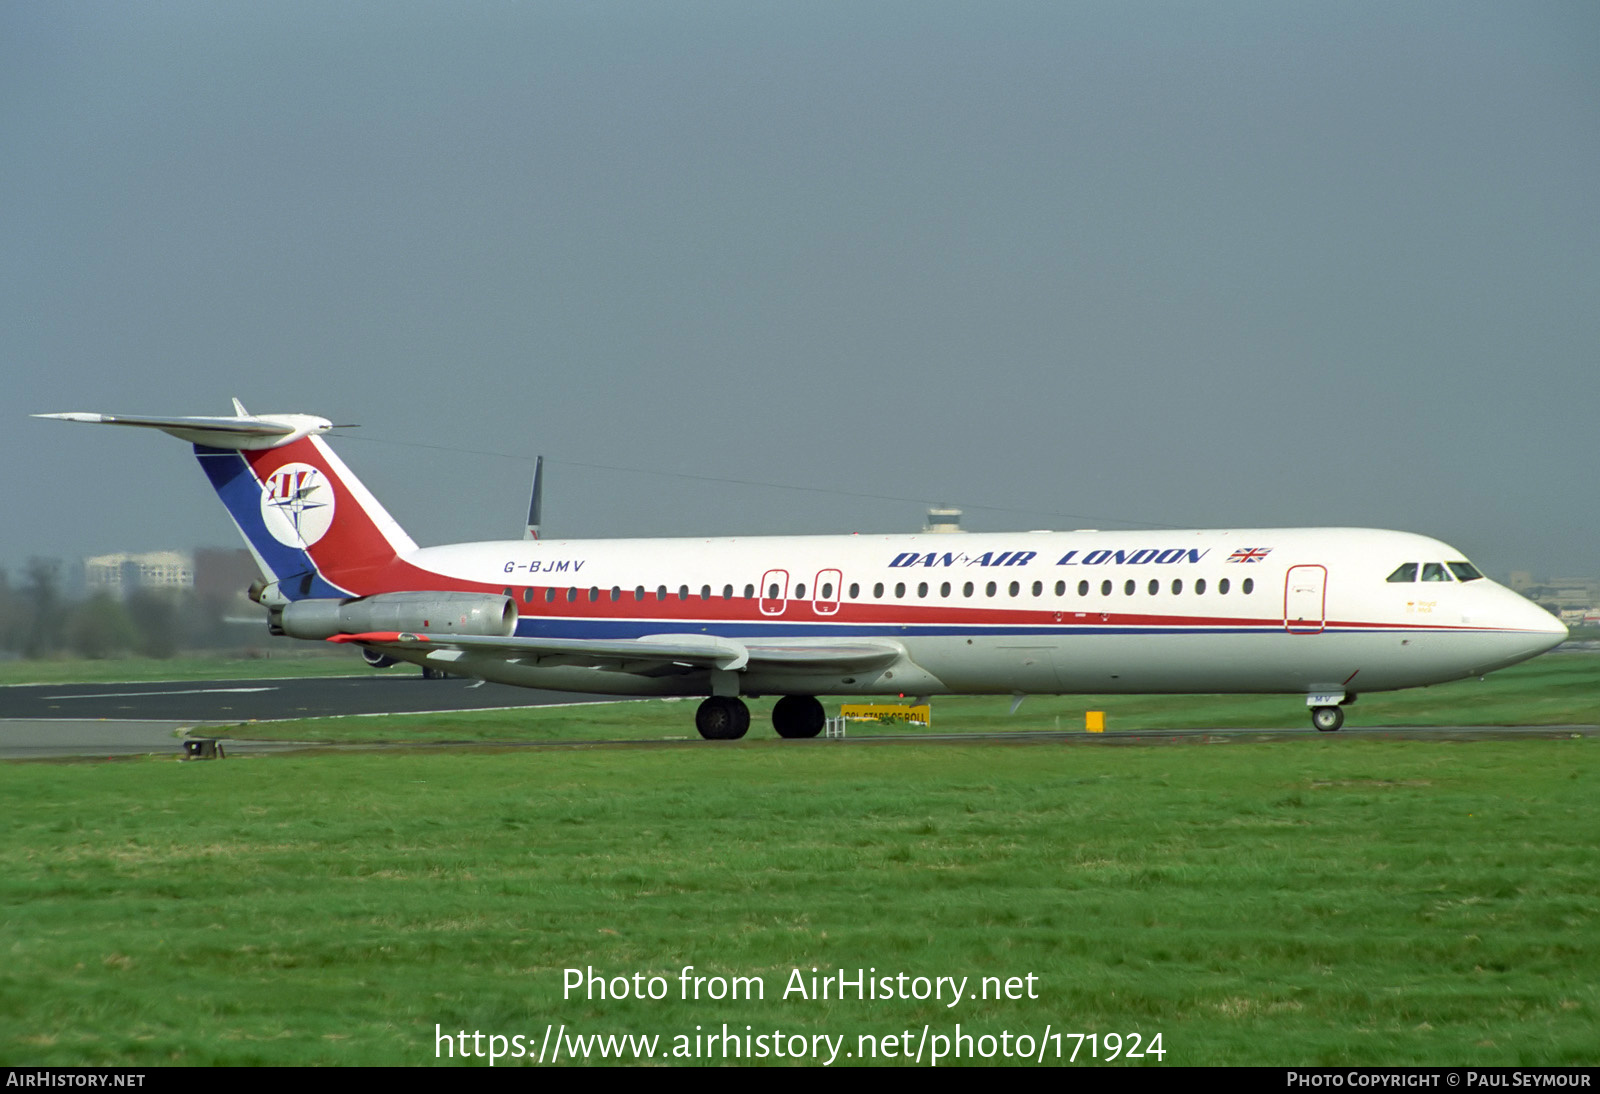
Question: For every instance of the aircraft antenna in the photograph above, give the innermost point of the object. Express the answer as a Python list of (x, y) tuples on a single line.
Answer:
[(535, 503)]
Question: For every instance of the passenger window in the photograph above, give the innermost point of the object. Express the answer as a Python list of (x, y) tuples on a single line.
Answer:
[(527, 596), (1155, 586), (1038, 588), (922, 589), (1061, 588), (572, 595), (1177, 586), (966, 590), (727, 592), (772, 591), (749, 592), (1105, 588), (1406, 571), (683, 592), (594, 593), (661, 592), (506, 591), (855, 590), (638, 594), (1464, 571), (1249, 586), (944, 589), (827, 590), (1200, 586), (800, 591), (1015, 588), (989, 589), (1083, 588), (1128, 587), (550, 594), (877, 591), (1434, 571), (1222, 586), (616, 592), (899, 590)]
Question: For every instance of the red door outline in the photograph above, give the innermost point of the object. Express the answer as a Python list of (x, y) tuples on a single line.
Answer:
[(1305, 599), (774, 579), (826, 604)]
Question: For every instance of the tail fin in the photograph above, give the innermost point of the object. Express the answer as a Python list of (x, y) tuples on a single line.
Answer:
[(314, 529)]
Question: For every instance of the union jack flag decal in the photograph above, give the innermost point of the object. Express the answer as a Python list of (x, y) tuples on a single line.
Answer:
[(1249, 554)]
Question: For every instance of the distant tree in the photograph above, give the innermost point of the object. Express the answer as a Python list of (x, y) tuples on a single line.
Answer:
[(11, 615), (46, 615), (100, 627), (155, 620)]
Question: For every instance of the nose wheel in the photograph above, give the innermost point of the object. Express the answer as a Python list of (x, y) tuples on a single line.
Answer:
[(1327, 719)]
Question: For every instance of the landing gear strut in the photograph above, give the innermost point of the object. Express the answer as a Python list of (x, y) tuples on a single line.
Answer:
[(798, 716), (722, 718), (1327, 719)]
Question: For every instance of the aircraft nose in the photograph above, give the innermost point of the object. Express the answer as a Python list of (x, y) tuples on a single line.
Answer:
[(1544, 631)]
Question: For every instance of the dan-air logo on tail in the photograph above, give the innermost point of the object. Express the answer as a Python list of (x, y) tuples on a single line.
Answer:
[(297, 504)]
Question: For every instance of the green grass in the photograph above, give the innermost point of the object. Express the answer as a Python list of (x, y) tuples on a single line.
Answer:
[(1562, 689), (1323, 901)]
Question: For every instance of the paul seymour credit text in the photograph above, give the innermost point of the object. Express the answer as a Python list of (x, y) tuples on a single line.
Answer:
[(1046, 1042)]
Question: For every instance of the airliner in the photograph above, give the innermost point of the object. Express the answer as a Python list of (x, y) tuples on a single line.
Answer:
[(1323, 613)]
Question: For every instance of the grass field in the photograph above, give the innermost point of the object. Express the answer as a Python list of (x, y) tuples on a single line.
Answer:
[(1321, 901)]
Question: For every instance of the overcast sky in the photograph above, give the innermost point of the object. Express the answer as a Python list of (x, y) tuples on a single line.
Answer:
[(1062, 264)]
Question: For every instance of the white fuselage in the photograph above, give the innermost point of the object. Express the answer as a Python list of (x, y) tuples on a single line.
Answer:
[(1273, 610)]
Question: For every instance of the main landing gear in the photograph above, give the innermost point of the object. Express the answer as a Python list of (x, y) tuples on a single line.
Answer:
[(722, 718), (798, 716), (726, 718)]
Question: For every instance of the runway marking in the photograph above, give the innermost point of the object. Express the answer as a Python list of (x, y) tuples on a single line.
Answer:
[(149, 694)]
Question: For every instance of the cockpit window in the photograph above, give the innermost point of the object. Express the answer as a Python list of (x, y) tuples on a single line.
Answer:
[(1464, 571), (1406, 571), (1434, 571)]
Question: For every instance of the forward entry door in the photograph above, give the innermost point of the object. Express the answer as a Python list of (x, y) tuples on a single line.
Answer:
[(1305, 599)]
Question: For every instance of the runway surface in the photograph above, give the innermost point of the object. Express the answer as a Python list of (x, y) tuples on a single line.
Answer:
[(89, 720), (52, 720)]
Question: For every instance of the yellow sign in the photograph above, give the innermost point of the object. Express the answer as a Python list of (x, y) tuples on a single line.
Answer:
[(875, 712), (1094, 721)]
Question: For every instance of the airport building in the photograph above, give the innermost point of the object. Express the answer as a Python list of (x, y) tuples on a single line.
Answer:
[(124, 572), (1574, 600), (212, 572)]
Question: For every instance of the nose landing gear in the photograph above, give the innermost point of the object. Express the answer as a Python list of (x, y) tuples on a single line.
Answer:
[(1327, 719)]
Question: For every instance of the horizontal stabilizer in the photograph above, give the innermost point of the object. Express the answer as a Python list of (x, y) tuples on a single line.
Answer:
[(241, 431)]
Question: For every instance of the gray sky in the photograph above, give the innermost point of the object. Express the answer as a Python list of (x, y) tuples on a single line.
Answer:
[(1190, 264)]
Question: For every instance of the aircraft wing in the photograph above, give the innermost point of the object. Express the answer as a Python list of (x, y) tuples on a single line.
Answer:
[(651, 653)]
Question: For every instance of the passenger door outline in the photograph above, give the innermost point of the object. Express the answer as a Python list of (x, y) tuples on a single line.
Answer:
[(1305, 599), (774, 580), (829, 604)]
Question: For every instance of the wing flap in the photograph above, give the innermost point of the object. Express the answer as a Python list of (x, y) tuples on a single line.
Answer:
[(646, 655)]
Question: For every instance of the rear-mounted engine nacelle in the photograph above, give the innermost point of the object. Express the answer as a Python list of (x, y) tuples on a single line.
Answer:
[(437, 613)]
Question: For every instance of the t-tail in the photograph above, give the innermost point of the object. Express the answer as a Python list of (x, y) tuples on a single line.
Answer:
[(315, 530)]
